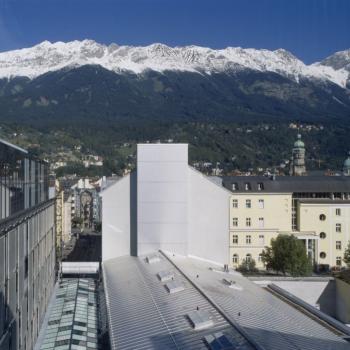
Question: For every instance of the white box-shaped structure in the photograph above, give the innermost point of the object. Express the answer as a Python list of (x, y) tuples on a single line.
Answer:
[(162, 198)]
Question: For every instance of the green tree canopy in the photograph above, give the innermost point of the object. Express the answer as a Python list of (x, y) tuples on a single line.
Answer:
[(287, 254), (347, 255)]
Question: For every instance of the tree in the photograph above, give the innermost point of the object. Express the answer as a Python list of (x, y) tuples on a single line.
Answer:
[(287, 254), (347, 255), (247, 266), (77, 222)]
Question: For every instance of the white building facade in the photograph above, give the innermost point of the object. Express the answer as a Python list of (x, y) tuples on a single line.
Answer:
[(167, 205)]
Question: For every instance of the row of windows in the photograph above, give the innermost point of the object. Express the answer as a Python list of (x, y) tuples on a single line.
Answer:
[(338, 228), (247, 258), (248, 222), (247, 186), (24, 181), (248, 239), (338, 259), (248, 203), (337, 213)]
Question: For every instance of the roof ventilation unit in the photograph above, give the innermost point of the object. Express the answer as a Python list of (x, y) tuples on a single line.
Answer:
[(219, 341), (174, 287), (231, 284), (200, 319), (151, 259), (165, 276)]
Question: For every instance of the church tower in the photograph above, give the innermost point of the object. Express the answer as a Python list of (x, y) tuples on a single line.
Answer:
[(346, 167), (297, 166)]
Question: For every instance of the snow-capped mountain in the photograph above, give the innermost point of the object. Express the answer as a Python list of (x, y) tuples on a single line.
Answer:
[(339, 60), (48, 57)]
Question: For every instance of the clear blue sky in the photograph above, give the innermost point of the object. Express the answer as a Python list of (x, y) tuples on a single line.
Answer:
[(311, 29)]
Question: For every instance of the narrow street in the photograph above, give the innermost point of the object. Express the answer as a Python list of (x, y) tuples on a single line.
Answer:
[(85, 248)]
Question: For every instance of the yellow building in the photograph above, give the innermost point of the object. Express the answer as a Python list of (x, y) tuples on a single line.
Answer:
[(316, 209)]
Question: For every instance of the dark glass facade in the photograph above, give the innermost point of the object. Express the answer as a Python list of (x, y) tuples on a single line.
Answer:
[(23, 180), (27, 247)]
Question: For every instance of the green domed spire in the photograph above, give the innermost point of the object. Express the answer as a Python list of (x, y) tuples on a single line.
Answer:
[(298, 143), (347, 162)]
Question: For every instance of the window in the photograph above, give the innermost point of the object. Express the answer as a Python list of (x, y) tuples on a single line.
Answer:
[(248, 203), (248, 239), (338, 211), (235, 239), (234, 187), (260, 257), (261, 204), (234, 203), (338, 260), (235, 222), (247, 186), (338, 245), (323, 235), (323, 255), (337, 227), (248, 222), (322, 217), (235, 259), (261, 222), (248, 258), (261, 239), (260, 186)]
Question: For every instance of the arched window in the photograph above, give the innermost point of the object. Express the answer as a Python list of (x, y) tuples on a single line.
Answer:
[(235, 258), (322, 217), (323, 235), (248, 258), (323, 255)]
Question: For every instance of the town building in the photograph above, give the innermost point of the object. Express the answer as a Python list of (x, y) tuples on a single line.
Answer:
[(315, 209), (165, 204), (86, 204), (27, 246), (166, 243)]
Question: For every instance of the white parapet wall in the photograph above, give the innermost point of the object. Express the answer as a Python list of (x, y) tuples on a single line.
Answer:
[(165, 204), (209, 219), (162, 198), (116, 219)]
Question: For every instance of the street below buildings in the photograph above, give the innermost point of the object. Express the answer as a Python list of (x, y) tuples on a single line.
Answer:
[(85, 246)]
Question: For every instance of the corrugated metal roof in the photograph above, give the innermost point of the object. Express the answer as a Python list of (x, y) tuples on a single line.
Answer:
[(143, 315), (271, 322), (287, 184)]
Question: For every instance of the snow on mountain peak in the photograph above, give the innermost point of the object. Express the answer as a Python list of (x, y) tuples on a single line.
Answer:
[(46, 56)]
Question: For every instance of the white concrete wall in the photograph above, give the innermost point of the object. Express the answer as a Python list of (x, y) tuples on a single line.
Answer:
[(116, 219), (342, 301), (162, 176), (208, 219), (316, 293)]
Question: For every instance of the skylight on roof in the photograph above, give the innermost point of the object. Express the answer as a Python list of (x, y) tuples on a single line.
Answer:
[(174, 287), (165, 276), (219, 341), (200, 319), (153, 258)]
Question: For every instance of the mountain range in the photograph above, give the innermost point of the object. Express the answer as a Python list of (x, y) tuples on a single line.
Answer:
[(85, 79), (97, 95)]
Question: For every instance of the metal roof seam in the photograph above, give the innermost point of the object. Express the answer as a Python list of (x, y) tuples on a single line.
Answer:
[(217, 307), (156, 305)]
